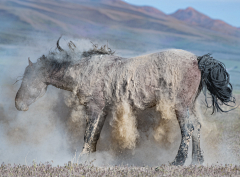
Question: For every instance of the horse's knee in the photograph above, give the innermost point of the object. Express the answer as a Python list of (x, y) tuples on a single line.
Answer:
[(197, 128), (199, 125), (94, 124)]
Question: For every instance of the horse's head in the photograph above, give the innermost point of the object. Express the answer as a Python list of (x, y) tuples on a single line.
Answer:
[(33, 87)]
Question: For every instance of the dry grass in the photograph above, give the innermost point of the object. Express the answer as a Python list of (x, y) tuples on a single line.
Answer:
[(90, 170)]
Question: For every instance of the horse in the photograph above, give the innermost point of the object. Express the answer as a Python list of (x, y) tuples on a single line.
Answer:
[(168, 81)]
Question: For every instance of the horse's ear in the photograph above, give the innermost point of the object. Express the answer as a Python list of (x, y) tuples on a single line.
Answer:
[(58, 46), (29, 61)]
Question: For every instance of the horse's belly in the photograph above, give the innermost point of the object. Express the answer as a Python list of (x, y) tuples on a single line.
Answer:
[(143, 98)]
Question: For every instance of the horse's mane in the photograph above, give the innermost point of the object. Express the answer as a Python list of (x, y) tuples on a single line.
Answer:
[(103, 50), (62, 59)]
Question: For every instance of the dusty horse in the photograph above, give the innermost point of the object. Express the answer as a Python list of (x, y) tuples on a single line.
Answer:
[(170, 81)]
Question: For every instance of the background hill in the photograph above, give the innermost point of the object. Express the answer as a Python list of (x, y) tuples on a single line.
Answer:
[(124, 25), (129, 29), (193, 17)]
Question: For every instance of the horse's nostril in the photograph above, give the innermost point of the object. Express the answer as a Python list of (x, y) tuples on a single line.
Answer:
[(21, 106), (25, 108)]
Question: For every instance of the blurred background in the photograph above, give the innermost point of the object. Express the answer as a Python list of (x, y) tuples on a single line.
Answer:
[(132, 27), (30, 28)]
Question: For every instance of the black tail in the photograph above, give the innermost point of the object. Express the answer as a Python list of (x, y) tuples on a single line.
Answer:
[(215, 79)]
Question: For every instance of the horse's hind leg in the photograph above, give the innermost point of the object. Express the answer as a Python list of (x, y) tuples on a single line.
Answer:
[(197, 158), (186, 127), (95, 121)]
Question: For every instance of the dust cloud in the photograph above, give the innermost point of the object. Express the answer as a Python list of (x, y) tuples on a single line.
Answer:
[(53, 128)]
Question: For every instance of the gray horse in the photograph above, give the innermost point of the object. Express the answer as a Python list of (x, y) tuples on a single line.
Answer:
[(170, 81)]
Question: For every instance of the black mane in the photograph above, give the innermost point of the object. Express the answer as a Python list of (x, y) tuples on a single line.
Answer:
[(60, 59)]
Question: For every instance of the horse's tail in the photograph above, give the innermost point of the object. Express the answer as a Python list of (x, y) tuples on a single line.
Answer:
[(215, 79)]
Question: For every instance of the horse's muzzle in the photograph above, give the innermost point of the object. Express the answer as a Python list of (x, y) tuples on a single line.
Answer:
[(21, 106)]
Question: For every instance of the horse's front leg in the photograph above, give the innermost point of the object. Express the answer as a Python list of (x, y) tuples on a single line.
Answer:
[(94, 123), (187, 128)]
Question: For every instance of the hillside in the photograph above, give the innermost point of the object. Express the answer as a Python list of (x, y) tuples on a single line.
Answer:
[(193, 17), (139, 28)]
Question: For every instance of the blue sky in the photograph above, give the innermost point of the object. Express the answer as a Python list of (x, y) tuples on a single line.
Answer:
[(226, 10)]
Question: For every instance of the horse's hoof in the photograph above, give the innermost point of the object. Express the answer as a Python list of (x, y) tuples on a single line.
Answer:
[(175, 163), (84, 153), (197, 162)]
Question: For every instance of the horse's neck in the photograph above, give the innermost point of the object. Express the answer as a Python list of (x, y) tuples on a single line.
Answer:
[(63, 79)]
